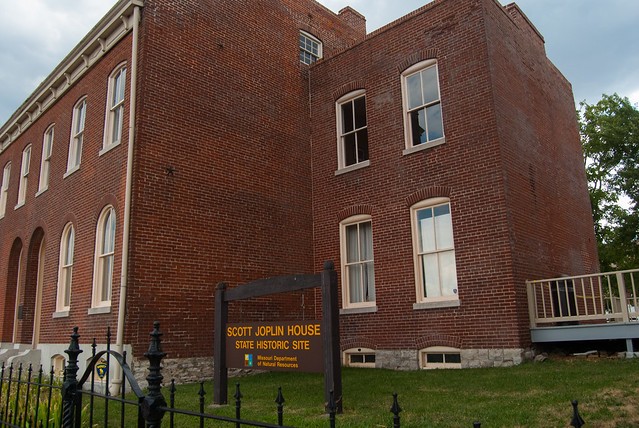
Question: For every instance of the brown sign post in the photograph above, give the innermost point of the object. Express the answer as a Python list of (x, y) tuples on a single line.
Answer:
[(311, 346)]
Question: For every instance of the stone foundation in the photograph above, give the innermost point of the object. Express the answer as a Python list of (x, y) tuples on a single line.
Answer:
[(408, 359), (183, 370)]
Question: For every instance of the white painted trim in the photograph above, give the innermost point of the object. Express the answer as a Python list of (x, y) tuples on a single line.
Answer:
[(101, 39)]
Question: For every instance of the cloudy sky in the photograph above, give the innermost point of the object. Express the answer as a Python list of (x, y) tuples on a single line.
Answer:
[(593, 42)]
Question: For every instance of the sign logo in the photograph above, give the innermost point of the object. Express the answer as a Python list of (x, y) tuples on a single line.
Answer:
[(248, 360), (101, 368)]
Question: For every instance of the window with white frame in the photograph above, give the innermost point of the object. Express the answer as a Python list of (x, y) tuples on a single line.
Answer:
[(358, 274), (77, 135), (104, 259), (434, 251), (310, 48), (440, 357), (65, 275), (24, 176), (47, 148), (351, 130), (115, 108), (4, 190), (423, 121), (359, 357)]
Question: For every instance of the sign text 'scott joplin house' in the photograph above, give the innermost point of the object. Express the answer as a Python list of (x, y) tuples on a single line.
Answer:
[(292, 346)]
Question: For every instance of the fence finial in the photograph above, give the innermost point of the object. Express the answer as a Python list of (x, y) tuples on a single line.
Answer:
[(70, 385), (577, 421)]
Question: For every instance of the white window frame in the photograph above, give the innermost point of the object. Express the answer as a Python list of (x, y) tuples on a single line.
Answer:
[(45, 162), (311, 48), (65, 272), (444, 351), (104, 260), (4, 190), (356, 132), (114, 116), (347, 303), (365, 353), (420, 68), (25, 167), (441, 300), (77, 136)]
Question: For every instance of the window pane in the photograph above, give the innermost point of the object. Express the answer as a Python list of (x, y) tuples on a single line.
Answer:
[(347, 117), (366, 241), (357, 358), (362, 145), (70, 244), (109, 234), (429, 85), (352, 244), (418, 126), (453, 358), (369, 281), (369, 358), (107, 276), (434, 358), (67, 286), (426, 236), (414, 91), (448, 273), (354, 283), (434, 120), (443, 227), (350, 149), (360, 112), (430, 274), (117, 124)]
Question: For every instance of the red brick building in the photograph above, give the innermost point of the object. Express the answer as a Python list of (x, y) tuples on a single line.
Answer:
[(180, 144)]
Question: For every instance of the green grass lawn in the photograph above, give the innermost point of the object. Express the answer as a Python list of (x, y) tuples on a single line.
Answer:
[(529, 395)]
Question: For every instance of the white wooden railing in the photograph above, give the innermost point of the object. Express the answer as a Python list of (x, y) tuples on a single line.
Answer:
[(609, 297)]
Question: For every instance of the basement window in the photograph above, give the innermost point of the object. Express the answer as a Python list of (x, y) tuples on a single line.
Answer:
[(359, 357), (439, 357)]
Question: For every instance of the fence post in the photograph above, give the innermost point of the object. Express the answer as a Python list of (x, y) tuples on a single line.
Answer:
[(395, 409), (154, 401), (71, 406), (577, 421)]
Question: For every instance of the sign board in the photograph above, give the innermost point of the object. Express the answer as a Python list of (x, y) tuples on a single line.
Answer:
[(277, 346)]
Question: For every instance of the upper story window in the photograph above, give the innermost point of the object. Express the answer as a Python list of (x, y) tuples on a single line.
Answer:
[(67, 245), (47, 148), (352, 130), (77, 135), (422, 106), (434, 251), (310, 48), (115, 108), (104, 258), (4, 190), (358, 274), (24, 175)]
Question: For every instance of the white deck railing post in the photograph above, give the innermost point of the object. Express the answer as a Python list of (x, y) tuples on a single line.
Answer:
[(622, 297)]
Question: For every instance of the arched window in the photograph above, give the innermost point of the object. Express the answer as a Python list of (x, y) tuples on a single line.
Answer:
[(434, 252), (24, 175), (104, 259), (423, 121), (58, 362), (358, 273), (115, 108), (4, 190), (65, 275), (47, 148), (77, 136)]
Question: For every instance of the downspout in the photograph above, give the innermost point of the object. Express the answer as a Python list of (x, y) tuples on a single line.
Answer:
[(119, 339)]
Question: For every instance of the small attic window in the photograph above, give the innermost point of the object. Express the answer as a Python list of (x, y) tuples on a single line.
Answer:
[(310, 48)]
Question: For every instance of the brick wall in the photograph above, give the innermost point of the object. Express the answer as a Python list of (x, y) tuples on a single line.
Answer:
[(476, 168), (78, 198)]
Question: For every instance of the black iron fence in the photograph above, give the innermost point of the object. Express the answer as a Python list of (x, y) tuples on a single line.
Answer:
[(39, 400)]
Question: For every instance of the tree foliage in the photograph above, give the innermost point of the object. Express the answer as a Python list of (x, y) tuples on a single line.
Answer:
[(610, 139)]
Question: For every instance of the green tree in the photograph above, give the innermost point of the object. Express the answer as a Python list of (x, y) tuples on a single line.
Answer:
[(610, 139)]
